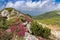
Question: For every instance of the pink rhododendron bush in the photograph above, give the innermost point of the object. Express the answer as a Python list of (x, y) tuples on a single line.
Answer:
[(15, 26)]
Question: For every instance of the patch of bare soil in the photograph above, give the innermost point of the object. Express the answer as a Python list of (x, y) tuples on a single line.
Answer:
[(54, 27), (55, 30)]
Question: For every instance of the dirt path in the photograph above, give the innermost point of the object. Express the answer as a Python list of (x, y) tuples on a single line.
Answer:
[(54, 27)]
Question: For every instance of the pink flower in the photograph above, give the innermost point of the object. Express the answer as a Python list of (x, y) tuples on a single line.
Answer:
[(22, 33), (13, 28), (28, 19), (8, 30), (22, 29), (18, 33), (19, 29), (21, 26)]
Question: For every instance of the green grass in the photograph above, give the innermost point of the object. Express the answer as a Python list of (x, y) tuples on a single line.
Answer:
[(52, 17), (53, 21)]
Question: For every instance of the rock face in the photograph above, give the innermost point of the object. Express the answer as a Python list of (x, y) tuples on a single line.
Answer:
[(29, 27), (56, 35), (4, 13), (28, 36), (10, 12)]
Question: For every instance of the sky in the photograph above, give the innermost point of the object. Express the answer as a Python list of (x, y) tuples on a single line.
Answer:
[(32, 7)]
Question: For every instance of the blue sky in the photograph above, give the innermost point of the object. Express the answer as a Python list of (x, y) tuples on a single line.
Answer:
[(57, 0), (32, 7)]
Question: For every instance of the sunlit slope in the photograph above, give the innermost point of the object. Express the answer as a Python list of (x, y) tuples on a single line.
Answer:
[(52, 17)]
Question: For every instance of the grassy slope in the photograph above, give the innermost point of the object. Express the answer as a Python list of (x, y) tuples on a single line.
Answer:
[(49, 18)]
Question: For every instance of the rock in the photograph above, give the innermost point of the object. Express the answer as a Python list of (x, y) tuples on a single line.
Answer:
[(29, 27), (28, 36), (4, 13), (56, 34)]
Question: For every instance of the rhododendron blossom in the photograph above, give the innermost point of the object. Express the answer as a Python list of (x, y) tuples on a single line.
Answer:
[(8, 30), (13, 28), (22, 33), (22, 29), (19, 29), (28, 19), (18, 33), (21, 26)]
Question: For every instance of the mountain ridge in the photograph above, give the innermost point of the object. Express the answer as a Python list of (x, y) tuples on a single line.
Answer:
[(52, 17), (48, 14)]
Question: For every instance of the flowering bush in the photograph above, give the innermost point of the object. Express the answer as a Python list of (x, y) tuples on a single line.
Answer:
[(19, 29), (4, 35), (15, 24), (22, 29), (28, 19), (13, 28)]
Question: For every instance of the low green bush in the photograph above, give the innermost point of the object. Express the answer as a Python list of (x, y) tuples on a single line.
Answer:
[(38, 30), (46, 32)]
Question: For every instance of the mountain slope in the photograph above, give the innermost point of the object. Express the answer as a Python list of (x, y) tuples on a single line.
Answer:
[(13, 12), (52, 17), (48, 15), (10, 16)]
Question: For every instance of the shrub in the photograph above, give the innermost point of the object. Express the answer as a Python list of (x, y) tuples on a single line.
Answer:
[(46, 32), (3, 23), (38, 30), (23, 19), (4, 35)]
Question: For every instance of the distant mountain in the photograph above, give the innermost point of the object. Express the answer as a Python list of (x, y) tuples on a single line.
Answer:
[(48, 15), (52, 17)]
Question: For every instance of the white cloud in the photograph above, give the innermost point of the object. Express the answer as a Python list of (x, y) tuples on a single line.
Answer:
[(18, 3), (43, 3), (58, 7), (9, 4), (39, 7), (23, 5), (33, 4), (27, 4)]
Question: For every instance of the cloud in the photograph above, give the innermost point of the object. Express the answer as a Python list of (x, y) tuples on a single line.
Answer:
[(43, 3), (33, 4), (9, 4), (58, 7), (34, 7)]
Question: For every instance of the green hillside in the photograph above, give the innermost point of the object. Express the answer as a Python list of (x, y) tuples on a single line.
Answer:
[(52, 17), (11, 16)]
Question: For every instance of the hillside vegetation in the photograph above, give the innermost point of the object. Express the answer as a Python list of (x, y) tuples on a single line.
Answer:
[(52, 17), (15, 23)]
